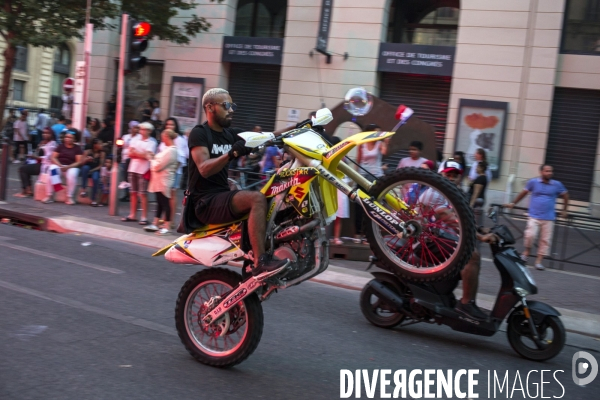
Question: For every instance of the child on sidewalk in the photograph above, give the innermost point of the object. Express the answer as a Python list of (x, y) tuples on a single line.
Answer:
[(105, 182)]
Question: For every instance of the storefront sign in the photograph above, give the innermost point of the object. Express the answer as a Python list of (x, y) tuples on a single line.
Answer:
[(186, 101), (256, 50), (416, 59), (481, 124), (324, 23)]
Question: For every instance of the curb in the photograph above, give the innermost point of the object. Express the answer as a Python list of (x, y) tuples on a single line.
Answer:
[(575, 321)]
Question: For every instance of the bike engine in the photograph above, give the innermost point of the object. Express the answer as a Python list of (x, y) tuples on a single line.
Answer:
[(301, 253)]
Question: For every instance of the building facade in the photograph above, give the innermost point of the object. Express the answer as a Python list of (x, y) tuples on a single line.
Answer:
[(38, 74), (520, 78)]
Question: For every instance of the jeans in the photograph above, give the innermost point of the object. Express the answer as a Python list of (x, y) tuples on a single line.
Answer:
[(85, 174), (26, 172)]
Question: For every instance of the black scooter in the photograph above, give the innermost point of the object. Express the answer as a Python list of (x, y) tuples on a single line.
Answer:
[(534, 330)]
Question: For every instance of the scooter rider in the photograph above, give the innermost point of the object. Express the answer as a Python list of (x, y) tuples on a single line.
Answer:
[(452, 171), (214, 202)]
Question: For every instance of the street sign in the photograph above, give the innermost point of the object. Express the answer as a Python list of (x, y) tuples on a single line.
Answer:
[(293, 115), (68, 84)]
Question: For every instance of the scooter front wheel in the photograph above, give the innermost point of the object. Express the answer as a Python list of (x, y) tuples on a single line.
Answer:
[(377, 311), (551, 331)]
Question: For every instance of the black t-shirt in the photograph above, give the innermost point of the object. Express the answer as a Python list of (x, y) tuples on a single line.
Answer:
[(221, 144), (480, 180)]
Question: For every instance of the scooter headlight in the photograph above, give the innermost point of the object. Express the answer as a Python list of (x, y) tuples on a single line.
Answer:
[(521, 292)]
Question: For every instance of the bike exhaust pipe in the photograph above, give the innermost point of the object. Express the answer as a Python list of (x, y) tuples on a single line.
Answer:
[(295, 230), (386, 294)]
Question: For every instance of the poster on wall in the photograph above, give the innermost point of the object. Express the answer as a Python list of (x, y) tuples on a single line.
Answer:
[(481, 124), (186, 101)]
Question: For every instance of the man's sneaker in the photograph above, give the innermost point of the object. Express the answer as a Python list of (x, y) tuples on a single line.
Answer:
[(266, 263), (539, 267), (151, 228), (470, 310), (524, 258)]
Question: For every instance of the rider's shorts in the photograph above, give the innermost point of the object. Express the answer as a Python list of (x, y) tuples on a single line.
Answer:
[(216, 208)]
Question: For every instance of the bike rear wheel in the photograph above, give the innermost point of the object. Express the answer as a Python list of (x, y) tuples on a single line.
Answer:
[(242, 324), (442, 225)]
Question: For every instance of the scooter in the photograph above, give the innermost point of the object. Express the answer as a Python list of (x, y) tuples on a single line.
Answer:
[(534, 329)]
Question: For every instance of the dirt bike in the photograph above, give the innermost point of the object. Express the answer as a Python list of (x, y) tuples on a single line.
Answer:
[(219, 315)]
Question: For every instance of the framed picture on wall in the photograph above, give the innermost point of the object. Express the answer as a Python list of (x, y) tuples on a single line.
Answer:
[(481, 124), (186, 101)]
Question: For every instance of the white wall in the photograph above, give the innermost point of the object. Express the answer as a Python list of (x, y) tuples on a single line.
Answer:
[(507, 51), (356, 28)]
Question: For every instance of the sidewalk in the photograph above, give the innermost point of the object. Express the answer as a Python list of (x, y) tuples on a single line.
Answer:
[(575, 295)]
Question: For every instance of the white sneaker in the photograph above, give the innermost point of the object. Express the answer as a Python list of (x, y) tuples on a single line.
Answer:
[(151, 228), (17, 162), (163, 231), (539, 267)]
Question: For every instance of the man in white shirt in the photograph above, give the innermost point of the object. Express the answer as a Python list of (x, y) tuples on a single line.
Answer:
[(415, 159), (139, 147), (21, 137)]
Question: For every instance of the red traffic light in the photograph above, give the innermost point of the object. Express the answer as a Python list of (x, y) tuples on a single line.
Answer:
[(141, 29)]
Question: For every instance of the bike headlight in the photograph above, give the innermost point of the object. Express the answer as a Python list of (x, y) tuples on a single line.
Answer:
[(521, 292)]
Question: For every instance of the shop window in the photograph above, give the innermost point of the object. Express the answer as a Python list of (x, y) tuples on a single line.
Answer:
[(581, 32), (261, 18), (19, 90), (428, 22), (61, 71), (20, 62)]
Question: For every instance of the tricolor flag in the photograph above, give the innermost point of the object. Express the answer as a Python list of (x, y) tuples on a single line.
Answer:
[(55, 178)]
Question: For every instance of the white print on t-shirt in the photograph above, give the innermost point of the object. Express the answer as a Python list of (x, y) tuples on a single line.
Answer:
[(221, 149)]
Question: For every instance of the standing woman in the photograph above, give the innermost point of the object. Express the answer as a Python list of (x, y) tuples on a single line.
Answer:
[(163, 166), (477, 190), (181, 144), (370, 156), (95, 127), (479, 157), (43, 151)]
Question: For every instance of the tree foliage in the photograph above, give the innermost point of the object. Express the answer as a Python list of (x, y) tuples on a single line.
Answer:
[(48, 23)]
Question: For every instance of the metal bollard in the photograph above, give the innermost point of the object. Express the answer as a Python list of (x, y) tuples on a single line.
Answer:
[(4, 164)]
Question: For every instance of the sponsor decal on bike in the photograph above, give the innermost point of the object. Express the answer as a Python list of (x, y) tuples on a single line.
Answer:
[(335, 149), (382, 217), (235, 298), (298, 171), (186, 244), (296, 180)]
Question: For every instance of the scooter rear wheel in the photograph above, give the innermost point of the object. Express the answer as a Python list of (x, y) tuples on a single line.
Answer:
[(551, 330), (376, 311)]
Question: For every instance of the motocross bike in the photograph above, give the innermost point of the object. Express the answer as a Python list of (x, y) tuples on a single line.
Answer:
[(218, 313), (534, 329)]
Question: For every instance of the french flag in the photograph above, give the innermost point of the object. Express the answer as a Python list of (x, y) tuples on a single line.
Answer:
[(55, 178)]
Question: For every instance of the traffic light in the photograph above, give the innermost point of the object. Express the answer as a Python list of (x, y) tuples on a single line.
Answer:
[(137, 42)]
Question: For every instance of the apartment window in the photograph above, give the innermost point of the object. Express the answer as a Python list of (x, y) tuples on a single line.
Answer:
[(260, 18), (581, 31), (20, 62), (19, 90), (428, 22)]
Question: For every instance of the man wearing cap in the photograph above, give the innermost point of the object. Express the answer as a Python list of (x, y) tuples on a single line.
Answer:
[(452, 171), (125, 160)]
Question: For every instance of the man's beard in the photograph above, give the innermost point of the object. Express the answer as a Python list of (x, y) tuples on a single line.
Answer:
[(224, 122)]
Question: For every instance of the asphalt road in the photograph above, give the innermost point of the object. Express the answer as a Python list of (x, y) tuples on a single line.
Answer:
[(96, 322)]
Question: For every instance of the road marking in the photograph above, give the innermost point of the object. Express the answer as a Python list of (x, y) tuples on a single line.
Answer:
[(96, 310), (558, 271), (61, 258)]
